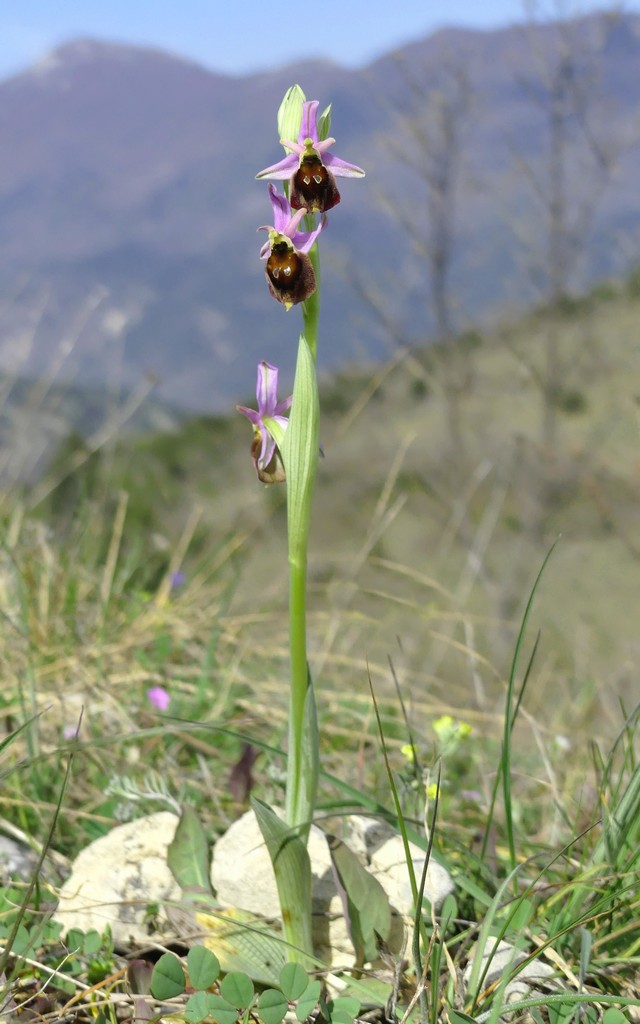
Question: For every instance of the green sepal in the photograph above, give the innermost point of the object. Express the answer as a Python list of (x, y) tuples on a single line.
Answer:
[(276, 430), (290, 114), (324, 124)]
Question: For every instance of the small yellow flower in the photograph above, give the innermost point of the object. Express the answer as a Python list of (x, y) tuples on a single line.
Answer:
[(408, 752), (450, 732)]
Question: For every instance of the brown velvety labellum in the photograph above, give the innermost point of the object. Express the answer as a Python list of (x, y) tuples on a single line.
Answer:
[(290, 275), (284, 267), (313, 187)]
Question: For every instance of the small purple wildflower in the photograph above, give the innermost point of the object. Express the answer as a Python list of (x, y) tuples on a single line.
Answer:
[(159, 697), (264, 451), (178, 579), (310, 168), (472, 795)]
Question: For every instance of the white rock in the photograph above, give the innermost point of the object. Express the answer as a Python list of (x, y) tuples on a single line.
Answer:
[(115, 878), (17, 860), (365, 835), (507, 956), (242, 874), (389, 866)]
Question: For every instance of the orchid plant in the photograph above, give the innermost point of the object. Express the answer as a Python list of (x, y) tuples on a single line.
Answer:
[(286, 449)]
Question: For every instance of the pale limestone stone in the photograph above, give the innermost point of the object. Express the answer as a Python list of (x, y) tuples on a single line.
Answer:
[(115, 879), (17, 860), (365, 835), (389, 866), (533, 975)]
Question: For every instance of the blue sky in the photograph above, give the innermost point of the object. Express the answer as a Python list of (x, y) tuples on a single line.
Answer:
[(239, 36)]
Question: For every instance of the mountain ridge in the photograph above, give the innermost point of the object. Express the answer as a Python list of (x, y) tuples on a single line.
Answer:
[(128, 174)]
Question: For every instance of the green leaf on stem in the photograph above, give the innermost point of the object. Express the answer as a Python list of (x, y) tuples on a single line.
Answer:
[(366, 905), (292, 869), (300, 449)]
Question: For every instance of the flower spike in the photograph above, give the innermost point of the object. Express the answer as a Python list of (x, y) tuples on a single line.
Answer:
[(264, 451), (310, 168)]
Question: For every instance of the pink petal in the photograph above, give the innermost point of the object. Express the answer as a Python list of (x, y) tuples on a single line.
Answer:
[(309, 126), (292, 225), (305, 239), (267, 449), (340, 168), (267, 388), (296, 147), (282, 170), (281, 209), (251, 414)]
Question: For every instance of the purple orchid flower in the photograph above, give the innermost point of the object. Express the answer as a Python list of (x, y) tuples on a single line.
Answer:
[(290, 275), (310, 168), (285, 222), (264, 450)]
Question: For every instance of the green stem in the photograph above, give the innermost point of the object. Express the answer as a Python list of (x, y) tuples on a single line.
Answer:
[(287, 841), (299, 804), (300, 454), (311, 308)]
